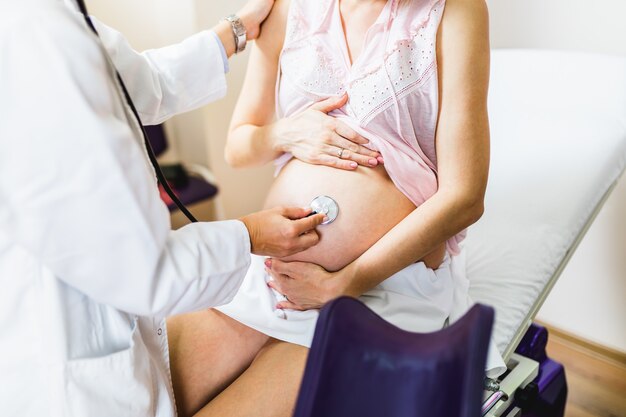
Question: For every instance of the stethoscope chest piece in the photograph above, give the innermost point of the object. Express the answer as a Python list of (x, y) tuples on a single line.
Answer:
[(325, 205)]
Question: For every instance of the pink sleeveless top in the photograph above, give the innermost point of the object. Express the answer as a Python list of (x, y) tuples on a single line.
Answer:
[(392, 85)]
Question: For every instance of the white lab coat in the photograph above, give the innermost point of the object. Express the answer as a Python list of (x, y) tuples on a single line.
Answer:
[(88, 264)]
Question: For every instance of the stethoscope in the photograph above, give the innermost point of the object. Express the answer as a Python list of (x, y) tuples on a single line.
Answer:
[(321, 204)]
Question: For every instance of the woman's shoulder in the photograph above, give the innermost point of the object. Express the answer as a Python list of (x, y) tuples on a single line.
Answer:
[(424, 8), (473, 10), (288, 21), (272, 34)]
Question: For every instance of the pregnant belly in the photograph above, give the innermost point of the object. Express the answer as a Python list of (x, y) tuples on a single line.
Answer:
[(369, 206)]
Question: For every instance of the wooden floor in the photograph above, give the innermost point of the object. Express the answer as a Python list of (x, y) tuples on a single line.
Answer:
[(597, 383)]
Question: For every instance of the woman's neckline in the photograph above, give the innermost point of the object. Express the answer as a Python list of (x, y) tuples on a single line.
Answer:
[(337, 19)]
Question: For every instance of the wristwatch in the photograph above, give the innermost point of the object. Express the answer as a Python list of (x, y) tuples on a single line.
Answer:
[(239, 32)]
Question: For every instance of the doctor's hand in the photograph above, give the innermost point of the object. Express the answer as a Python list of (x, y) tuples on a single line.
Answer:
[(253, 14), (305, 285), (314, 137), (282, 231)]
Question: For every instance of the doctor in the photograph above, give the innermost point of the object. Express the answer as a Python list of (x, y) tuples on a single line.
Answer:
[(88, 264)]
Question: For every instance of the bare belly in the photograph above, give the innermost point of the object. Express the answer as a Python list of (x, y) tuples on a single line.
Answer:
[(369, 206)]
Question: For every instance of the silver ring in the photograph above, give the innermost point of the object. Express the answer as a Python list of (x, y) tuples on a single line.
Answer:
[(340, 153)]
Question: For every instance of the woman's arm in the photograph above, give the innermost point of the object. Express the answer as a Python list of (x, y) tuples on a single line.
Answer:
[(311, 136), (463, 163), (250, 140)]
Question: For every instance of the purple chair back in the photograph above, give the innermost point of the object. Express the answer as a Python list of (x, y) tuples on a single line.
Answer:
[(360, 365), (156, 136)]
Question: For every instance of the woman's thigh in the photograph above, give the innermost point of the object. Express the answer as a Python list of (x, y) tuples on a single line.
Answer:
[(208, 350), (268, 388)]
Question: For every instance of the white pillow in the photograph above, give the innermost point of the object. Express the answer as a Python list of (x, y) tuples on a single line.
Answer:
[(558, 137)]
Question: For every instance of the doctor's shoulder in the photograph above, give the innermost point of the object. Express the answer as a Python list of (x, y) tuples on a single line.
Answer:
[(46, 39)]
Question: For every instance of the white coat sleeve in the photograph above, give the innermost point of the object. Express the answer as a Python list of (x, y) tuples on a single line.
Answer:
[(77, 192), (170, 80)]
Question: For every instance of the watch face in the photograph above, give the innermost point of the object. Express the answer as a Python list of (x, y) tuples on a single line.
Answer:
[(239, 30), (237, 24)]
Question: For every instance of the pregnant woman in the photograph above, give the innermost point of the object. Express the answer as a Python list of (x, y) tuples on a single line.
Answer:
[(381, 105)]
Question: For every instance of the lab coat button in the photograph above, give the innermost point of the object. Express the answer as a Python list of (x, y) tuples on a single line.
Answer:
[(160, 331)]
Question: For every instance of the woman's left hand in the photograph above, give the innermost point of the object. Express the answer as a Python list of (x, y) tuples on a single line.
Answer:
[(305, 285)]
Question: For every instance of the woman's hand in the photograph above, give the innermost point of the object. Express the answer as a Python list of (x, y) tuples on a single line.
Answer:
[(305, 285), (316, 138)]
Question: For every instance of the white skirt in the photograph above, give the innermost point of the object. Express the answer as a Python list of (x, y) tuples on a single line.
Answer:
[(416, 299)]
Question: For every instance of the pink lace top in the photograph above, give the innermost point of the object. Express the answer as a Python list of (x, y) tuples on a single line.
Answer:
[(392, 85)]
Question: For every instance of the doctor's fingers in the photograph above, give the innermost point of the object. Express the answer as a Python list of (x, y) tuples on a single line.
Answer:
[(287, 244), (307, 224), (305, 241), (295, 213)]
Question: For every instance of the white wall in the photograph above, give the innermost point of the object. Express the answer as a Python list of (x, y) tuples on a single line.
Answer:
[(582, 25), (590, 298)]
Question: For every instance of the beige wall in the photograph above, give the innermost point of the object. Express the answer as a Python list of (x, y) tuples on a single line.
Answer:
[(589, 300)]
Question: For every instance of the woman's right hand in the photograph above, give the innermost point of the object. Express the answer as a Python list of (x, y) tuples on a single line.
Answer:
[(314, 137)]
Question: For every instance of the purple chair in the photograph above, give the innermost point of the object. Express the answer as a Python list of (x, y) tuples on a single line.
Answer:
[(361, 365), (192, 189)]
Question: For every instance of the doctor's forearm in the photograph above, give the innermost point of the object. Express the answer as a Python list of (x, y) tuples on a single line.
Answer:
[(224, 31)]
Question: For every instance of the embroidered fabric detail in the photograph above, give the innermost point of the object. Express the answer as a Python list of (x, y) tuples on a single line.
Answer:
[(313, 71), (409, 65), (303, 19), (312, 68), (421, 32)]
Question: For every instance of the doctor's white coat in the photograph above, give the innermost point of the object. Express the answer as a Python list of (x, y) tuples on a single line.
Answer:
[(88, 264)]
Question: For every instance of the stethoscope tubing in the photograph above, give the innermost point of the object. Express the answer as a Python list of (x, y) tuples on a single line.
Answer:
[(151, 156)]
